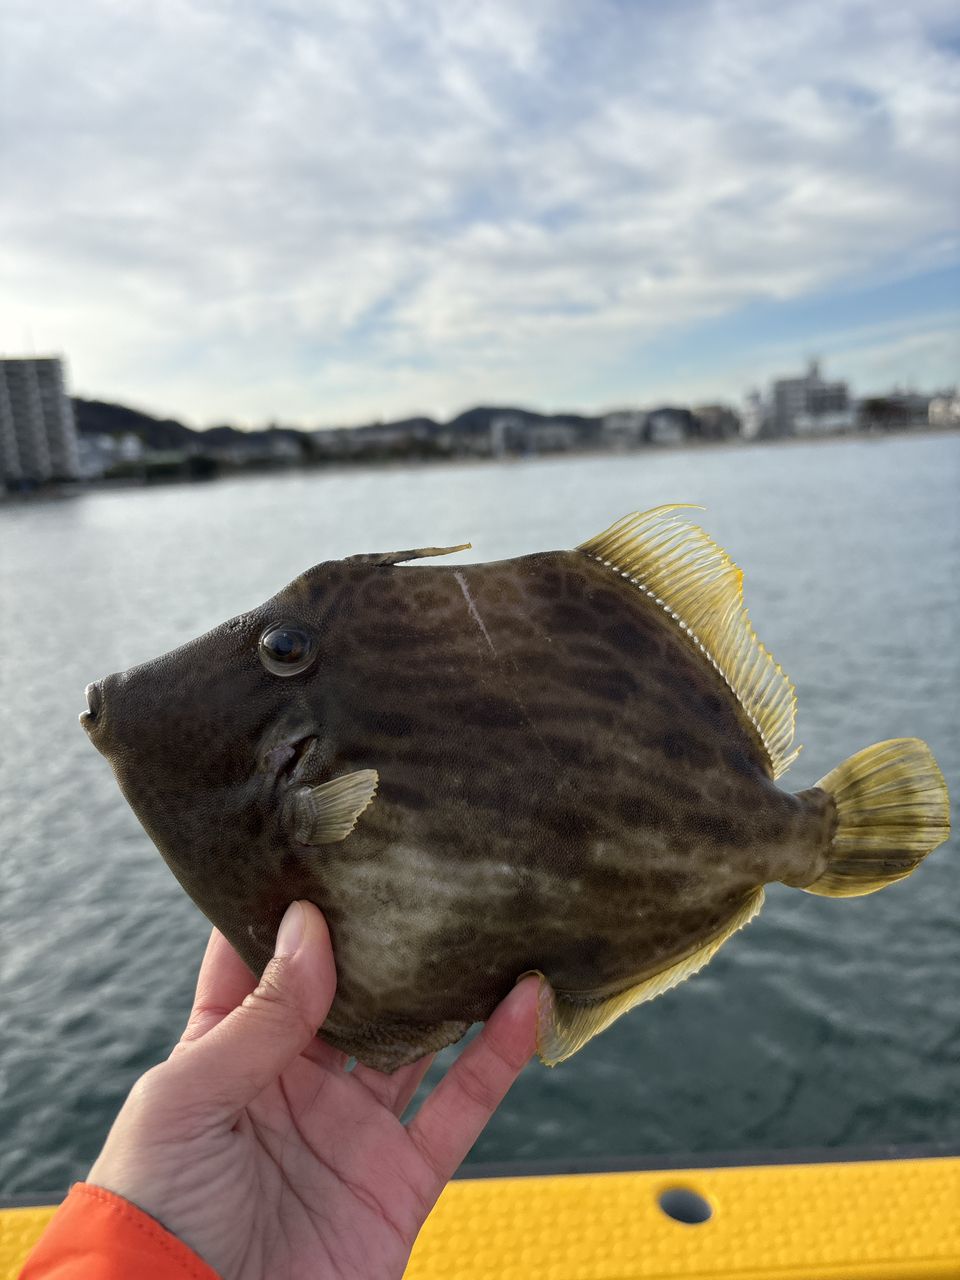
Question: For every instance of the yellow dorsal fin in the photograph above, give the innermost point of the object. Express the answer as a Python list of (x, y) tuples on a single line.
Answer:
[(684, 571)]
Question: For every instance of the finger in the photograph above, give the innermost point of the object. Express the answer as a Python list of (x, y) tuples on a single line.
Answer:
[(453, 1117), (223, 982), (394, 1092), (325, 1055), (249, 1048)]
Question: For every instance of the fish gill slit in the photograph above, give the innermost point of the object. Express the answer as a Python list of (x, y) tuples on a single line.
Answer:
[(472, 608)]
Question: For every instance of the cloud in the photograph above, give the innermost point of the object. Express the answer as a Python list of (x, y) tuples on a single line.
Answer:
[(324, 212), (908, 351), (919, 356)]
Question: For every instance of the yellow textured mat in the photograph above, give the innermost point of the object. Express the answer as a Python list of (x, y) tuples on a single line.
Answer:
[(19, 1228), (886, 1220), (895, 1218)]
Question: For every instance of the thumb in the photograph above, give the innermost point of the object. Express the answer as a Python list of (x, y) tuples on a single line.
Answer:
[(251, 1046)]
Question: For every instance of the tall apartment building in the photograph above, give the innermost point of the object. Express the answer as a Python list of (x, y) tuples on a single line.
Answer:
[(38, 435), (807, 404)]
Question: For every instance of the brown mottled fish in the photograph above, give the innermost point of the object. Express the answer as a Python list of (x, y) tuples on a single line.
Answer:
[(563, 763)]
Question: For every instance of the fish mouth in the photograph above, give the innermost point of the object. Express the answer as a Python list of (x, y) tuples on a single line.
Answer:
[(94, 696)]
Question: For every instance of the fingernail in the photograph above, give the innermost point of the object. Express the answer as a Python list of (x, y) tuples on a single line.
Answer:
[(291, 930)]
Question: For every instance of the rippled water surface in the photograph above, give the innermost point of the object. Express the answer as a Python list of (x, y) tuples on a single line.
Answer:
[(826, 1023)]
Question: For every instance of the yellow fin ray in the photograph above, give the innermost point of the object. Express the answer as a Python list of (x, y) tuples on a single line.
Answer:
[(892, 810), (564, 1025), (694, 580)]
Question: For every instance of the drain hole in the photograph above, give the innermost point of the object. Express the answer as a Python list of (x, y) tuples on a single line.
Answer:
[(684, 1206)]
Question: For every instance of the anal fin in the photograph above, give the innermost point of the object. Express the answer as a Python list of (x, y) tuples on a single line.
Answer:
[(566, 1023)]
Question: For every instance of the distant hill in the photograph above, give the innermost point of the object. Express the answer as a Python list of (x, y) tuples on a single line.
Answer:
[(484, 431), (480, 418), (98, 417)]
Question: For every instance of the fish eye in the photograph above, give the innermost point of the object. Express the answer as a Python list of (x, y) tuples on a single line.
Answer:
[(286, 650)]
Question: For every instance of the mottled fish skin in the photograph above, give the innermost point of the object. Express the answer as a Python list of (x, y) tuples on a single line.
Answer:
[(566, 785)]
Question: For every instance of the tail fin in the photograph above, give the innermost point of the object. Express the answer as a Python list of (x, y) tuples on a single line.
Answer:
[(892, 810)]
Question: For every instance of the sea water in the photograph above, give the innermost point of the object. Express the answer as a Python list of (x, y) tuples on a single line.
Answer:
[(824, 1024)]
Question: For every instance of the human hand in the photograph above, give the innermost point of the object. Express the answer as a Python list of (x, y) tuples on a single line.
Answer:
[(256, 1147)]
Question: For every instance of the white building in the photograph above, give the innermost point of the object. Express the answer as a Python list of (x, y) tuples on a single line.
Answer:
[(38, 435), (511, 433), (944, 410), (808, 405), (97, 454), (825, 423), (623, 428), (753, 415), (668, 425)]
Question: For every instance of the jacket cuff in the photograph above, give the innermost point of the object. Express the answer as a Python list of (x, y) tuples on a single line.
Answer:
[(96, 1235)]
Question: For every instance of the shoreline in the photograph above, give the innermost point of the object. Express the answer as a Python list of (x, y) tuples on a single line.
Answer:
[(63, 490)]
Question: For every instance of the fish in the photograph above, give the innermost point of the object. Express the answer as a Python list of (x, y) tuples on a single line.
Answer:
[(563, 764)]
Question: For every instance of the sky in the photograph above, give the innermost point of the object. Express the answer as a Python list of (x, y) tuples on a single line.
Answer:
[(323, 212)]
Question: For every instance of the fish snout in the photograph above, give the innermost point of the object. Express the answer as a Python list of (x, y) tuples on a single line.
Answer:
[(94, 697), (106, 705), (92, 720)]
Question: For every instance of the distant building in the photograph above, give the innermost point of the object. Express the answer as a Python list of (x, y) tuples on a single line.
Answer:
[(810, 406), (129, 447), (10, 471), (944, 410), (669, 425), (98, 453), (38, 435), (242, 450), (623, 428), (523, 433), (375, 440), (754, 415), (895, 411), (717, 421)]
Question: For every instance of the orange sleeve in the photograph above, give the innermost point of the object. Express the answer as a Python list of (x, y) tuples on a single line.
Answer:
[(95, 1235)]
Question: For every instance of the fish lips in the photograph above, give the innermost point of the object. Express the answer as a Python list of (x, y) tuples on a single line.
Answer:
[(103, 720), (92, 718)]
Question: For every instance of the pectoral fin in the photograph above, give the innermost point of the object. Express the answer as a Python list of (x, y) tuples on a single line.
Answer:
[(327, 813), (565, 1024)]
